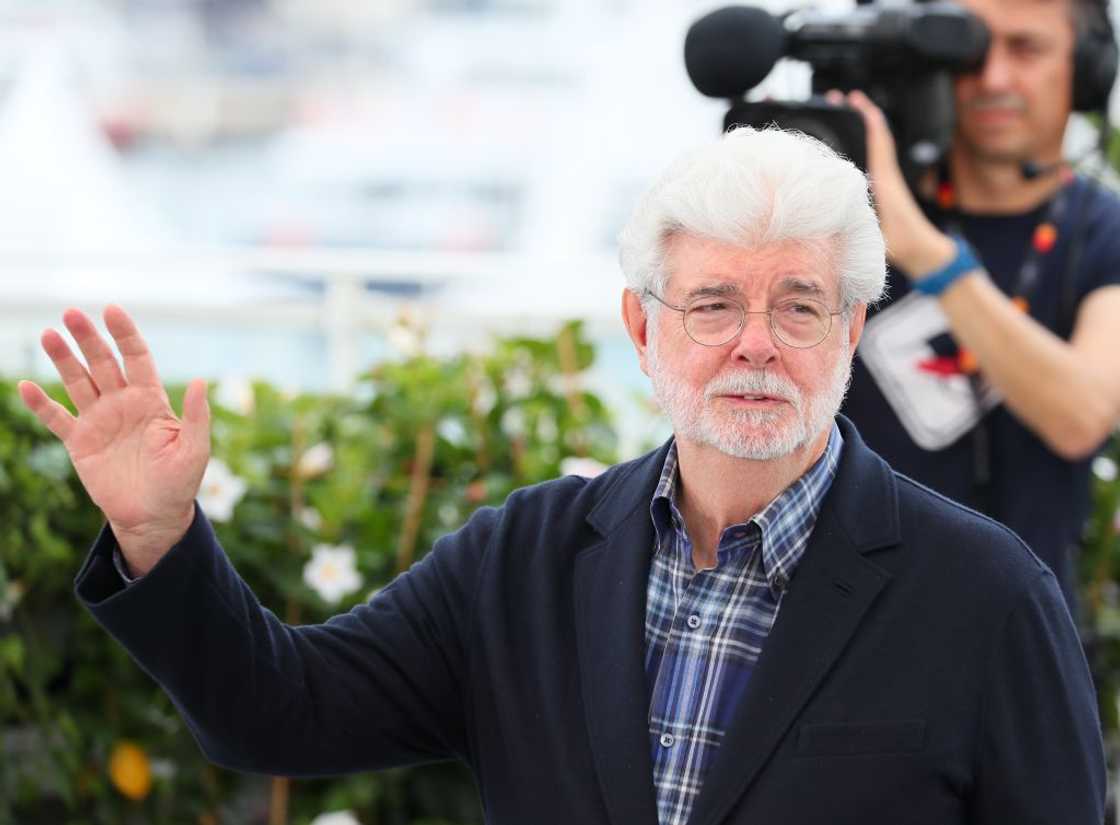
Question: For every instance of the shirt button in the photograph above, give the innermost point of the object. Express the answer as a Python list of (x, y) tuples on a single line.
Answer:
[(694, 621), (667, 740), (780, 583)]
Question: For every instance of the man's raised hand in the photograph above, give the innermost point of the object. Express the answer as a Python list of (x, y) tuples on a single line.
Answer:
[(140, 463)]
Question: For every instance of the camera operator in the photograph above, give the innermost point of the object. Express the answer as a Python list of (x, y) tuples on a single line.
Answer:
[(1006, 282)]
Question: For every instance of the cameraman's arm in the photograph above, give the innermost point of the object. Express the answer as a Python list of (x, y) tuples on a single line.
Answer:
[(1068, 393)]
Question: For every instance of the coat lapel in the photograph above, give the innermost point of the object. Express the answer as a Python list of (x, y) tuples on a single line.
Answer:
[(831, 591), (610, 605)]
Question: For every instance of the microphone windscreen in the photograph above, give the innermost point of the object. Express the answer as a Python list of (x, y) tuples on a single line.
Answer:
[(731, 50)]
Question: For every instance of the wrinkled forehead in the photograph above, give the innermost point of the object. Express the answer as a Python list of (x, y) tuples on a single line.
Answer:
[(698, 265)]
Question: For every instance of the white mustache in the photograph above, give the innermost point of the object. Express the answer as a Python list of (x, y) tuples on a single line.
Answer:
[(753, 383), (981, 104)]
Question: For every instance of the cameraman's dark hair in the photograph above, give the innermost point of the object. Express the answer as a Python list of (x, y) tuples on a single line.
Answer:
[(1095, 55), (1089, 13)]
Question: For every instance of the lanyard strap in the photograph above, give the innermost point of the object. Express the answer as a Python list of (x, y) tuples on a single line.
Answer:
[(1043, 239)]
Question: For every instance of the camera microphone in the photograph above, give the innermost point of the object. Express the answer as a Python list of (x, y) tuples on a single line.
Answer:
[(733, 49), (1032, 170)]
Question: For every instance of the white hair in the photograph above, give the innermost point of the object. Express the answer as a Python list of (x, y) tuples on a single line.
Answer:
[(755, 187)]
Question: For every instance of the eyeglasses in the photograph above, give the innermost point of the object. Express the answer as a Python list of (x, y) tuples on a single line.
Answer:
[(713, 321)]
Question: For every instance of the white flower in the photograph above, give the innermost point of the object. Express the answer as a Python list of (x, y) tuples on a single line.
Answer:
[(587, 467), (10, 597), (547, 431), (451, 429), (406, 334), (315, 461), (518, 383), (336, 818), (405, 341), (331, 572), (513, 423), (163, 768), (220, 491), (309, 517), (485, 399), (236, 394), (1104, 468), (448, 514)]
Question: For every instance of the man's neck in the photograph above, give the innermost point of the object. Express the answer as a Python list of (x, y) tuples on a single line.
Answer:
[(716, 490), (987, 186)]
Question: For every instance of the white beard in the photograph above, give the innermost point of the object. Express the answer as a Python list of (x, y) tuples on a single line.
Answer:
[(760, 435)]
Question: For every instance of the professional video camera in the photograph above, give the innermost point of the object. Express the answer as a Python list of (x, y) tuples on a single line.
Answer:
[(903, 57)]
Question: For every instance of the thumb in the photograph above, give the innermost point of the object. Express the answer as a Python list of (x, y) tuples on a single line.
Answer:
[(196, 412)]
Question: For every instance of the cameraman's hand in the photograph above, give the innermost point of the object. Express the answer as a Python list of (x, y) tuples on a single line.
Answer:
[(914, 245), (139, 463)]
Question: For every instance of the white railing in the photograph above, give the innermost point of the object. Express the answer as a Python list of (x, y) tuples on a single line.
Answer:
[(462, 296)]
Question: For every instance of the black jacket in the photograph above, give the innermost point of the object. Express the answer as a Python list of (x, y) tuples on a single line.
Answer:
[(923, 669)]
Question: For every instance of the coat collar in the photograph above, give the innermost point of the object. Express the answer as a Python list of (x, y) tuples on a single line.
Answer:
[(862, 477), (833, 589)]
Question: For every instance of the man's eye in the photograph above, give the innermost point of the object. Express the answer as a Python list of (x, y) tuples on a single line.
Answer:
[(710, 307), (798, 309)]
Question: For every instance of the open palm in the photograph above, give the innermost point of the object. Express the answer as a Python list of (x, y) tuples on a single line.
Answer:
[(139, 463)]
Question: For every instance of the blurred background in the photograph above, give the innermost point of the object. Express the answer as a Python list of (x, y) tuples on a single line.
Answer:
[(269, 184), (385, 232)]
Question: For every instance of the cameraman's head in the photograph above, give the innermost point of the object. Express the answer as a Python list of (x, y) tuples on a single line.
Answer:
[(1015, 108)]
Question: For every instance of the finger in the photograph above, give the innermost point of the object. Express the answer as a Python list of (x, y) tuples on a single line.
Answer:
[(835, 97), (102, 362), (79, 385), (866, 107), (880, 140), (139, 366), (50, 413), (196, 413)]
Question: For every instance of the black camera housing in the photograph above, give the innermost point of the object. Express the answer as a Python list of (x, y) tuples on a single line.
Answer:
[(902, 57)]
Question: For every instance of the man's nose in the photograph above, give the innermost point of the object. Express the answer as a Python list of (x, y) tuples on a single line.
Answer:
[(756, 344)]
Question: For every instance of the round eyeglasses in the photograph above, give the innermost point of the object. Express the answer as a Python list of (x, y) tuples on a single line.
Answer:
[(712, 321)]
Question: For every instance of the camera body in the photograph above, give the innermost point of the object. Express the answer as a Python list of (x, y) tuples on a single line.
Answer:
[(902, 57)]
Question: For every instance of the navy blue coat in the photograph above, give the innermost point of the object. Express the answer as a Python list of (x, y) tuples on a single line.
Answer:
[(923, 669)]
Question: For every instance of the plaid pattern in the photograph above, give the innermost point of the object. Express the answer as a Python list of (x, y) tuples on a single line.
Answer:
[(705, 629)]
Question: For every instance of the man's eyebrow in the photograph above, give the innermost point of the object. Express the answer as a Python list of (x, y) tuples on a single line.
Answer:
[(713, 291), (800, 286), (787, 285)]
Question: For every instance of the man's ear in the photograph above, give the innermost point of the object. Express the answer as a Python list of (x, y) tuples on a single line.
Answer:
[(637, 326), (855, 325)]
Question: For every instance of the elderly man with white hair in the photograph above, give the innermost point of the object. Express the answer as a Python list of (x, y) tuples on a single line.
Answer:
[(757, 622)]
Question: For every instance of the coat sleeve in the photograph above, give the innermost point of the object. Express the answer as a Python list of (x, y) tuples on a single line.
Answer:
[(381, 685), (1040, 757)]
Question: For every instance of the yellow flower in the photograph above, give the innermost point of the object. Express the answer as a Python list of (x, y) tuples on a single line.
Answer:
[(130, 770)]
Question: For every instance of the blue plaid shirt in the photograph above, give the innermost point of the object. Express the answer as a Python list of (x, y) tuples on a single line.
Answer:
[(706, 628)]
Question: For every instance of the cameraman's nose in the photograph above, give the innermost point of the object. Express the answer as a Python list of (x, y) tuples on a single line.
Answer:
[(995, 74)]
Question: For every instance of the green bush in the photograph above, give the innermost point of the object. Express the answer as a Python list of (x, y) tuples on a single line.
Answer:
[(419, 445), (1100, 593)]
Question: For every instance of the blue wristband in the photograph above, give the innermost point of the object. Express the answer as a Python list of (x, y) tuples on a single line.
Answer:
[(939, 280)]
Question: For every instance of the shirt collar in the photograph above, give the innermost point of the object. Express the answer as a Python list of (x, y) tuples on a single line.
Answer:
[(785, 523)]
